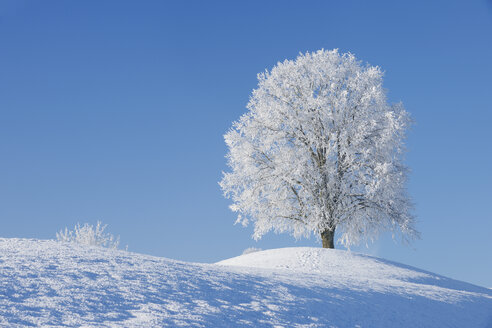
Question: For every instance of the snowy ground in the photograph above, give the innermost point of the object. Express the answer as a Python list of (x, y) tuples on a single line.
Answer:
[(50, 284)]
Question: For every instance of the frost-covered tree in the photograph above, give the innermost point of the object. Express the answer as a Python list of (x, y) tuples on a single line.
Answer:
[(250, 250), (320, 148)]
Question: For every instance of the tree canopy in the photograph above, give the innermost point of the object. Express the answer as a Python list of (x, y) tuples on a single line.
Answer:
[(320, 148)]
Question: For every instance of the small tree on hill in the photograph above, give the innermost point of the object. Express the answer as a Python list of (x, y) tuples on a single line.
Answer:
[(320, 149)]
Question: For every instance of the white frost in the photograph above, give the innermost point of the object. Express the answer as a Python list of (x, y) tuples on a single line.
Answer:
[(320, 149)]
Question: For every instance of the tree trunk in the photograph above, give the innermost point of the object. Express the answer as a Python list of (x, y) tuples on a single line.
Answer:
[(327, 237)]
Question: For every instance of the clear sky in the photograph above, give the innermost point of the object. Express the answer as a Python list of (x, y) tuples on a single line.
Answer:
[(116, 110)]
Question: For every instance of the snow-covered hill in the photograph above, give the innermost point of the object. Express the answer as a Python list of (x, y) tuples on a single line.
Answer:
[(50, 284)]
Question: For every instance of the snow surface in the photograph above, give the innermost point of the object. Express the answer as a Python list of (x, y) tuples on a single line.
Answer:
[(52, 284)]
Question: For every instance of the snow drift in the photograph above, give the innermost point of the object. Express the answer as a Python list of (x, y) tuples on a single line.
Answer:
[(47, 283)]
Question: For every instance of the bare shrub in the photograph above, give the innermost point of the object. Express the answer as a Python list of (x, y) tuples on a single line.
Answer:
[(89, 235)]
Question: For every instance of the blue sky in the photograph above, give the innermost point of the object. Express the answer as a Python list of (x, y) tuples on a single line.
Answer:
[(115, 111)]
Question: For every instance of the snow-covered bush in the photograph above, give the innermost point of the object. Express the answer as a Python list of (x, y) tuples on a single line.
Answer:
[(89, 235), (251, 250)]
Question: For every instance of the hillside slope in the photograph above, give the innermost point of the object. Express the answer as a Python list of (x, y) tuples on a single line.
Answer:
[(46, 283)]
